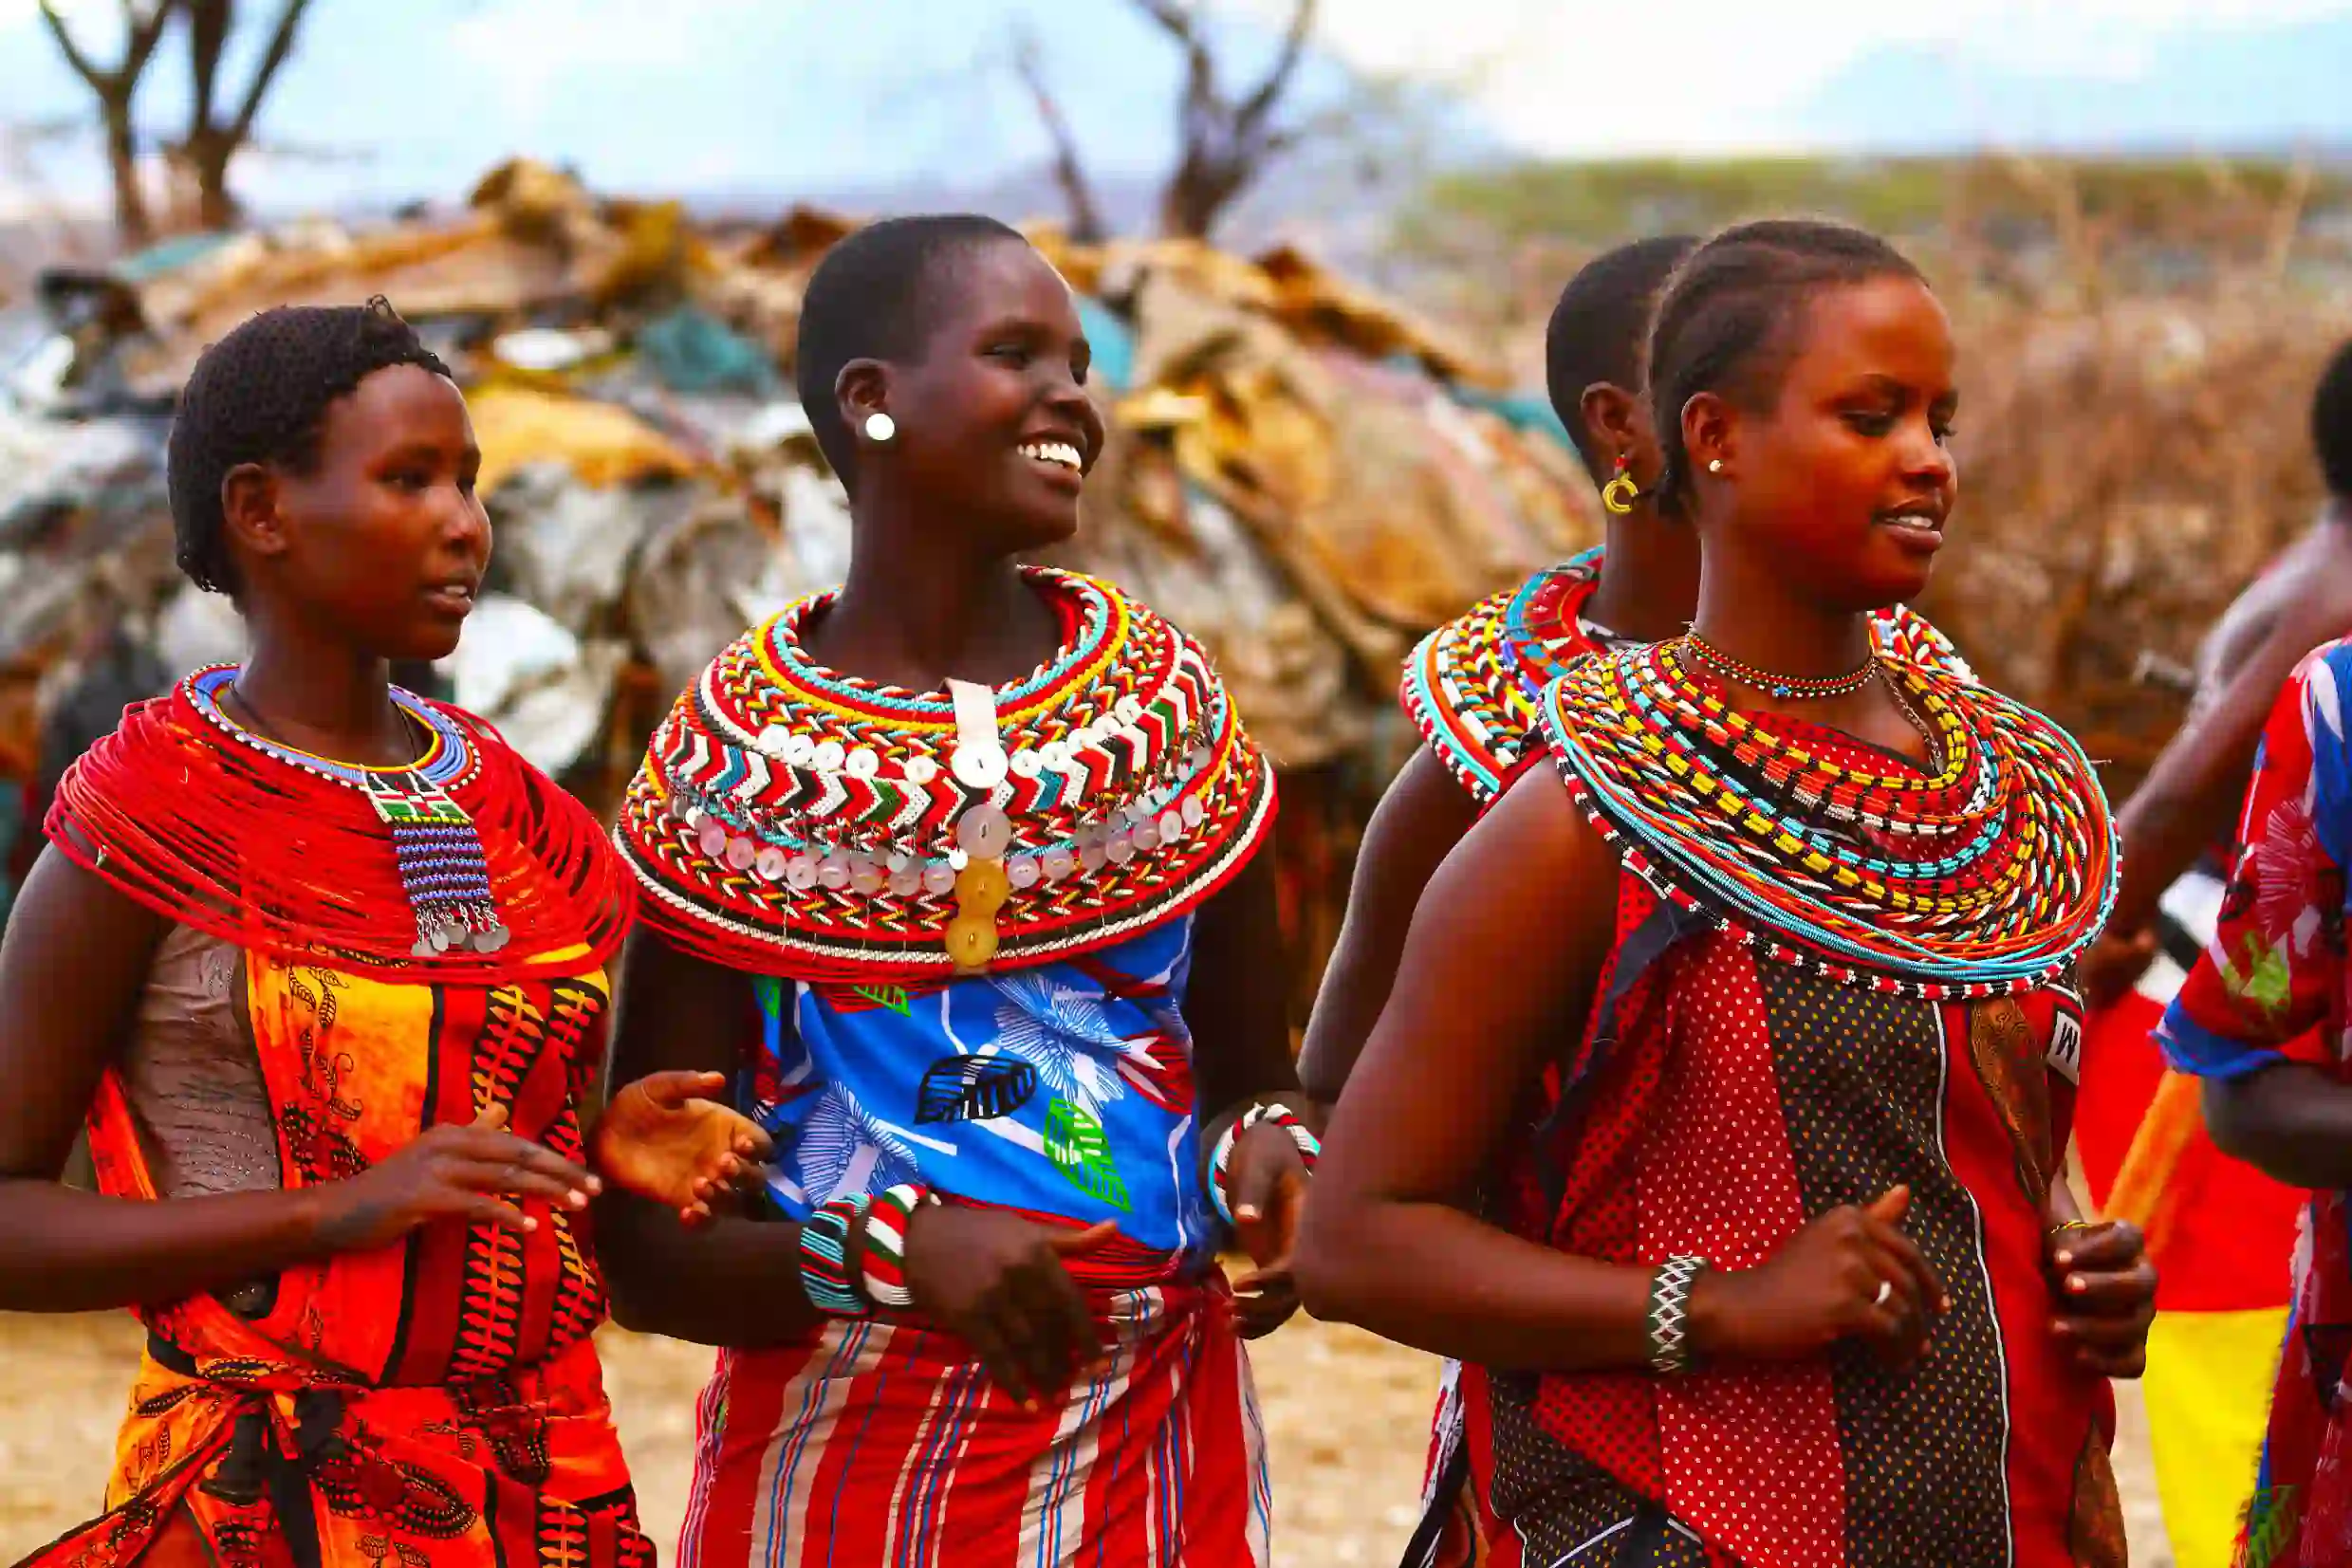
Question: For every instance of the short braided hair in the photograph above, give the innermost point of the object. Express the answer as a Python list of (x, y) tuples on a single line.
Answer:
[(2331, 423), (1724, 323), (870, 299), (1596, 329), (260, 396)]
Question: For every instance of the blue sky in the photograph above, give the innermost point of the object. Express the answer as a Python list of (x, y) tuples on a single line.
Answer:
[(786, 96)]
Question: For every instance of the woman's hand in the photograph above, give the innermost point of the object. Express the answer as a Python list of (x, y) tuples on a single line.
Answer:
[(664, 1138), (997, 1282), (1266, 1183), (1848, 1274), (2104, 1288), (452, 1172)]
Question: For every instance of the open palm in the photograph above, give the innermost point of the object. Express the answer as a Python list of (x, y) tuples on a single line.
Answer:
[(664, 1138)]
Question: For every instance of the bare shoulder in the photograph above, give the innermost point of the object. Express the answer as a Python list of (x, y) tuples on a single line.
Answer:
[(1424, 793), (1422, 813), (1532, 862), (72, 965), (65, 913)]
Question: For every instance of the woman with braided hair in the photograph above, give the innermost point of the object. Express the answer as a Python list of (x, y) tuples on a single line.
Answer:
[(1756, 1034), (323, 962), (1475, 690), (962, 868)]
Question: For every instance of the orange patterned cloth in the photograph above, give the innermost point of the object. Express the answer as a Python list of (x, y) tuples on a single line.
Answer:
[(436, 1401)]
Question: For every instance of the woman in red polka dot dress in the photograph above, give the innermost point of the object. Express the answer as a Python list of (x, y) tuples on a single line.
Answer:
[(1754, 1041)]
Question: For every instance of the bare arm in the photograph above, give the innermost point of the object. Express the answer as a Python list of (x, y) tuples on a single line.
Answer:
[(733, 1280), (2191, 797), (2290, 1122), (1421, 818), (71, 969), (2268, 1098), (72, 965), (1498, 976), (1234, 1004)]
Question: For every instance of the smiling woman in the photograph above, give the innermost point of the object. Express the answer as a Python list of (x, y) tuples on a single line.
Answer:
[(960, 870)]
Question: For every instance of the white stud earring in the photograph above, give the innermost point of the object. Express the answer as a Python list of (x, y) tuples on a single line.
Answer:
[(880, 427), (1714, 466)]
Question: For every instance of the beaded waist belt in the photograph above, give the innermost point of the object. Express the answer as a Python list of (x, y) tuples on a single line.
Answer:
[(792, 820)]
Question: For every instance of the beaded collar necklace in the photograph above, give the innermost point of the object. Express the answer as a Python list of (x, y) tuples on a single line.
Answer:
[(1982, 875), (1474, 687), (1783, 687), (442, 868), (793, 820)]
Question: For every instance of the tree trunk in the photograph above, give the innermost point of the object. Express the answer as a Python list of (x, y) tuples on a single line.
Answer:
[(208, 157), (132, 226), (1195, 198)]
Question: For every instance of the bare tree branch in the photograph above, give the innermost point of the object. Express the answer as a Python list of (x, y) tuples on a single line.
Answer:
[(281, 47), (81, 62), (116, 88), (1086, 226), (146, 32), (1177, 19), (207, 35), (210, 146), (143, 29), (1225, 141), (1254, 108)]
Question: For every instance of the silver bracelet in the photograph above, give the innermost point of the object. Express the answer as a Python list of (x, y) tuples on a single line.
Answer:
[(1670, 1315)]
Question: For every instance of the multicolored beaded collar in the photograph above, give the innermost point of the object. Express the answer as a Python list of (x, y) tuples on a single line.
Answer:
[(1474, 687), (1983, 876), (442, 867), (795, 822)]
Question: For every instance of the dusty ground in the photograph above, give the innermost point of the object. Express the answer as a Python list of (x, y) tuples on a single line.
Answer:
[(1348, 1417)]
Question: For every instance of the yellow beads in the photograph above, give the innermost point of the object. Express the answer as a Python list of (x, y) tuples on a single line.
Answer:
[(970, 942), (981, 888)]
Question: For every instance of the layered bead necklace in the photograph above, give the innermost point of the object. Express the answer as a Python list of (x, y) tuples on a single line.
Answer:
[(793, 820), (1474, 687), (1983, 873), (442, 868)]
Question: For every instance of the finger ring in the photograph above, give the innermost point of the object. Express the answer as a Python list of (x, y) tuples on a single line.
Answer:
[(1886, 1292)]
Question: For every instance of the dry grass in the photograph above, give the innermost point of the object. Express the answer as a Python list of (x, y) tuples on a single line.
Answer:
[(1348, 1416), (2126, 468)]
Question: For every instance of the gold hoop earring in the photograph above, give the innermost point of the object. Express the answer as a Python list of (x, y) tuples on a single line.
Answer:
[(1621, 493)]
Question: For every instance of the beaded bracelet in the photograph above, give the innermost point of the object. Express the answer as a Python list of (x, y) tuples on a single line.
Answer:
[(1670, 1315), (884, 1263), (1220, 1162), (824, 1258)]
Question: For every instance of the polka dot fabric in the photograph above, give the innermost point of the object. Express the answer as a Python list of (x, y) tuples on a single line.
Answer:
[(1556, 1506), (1719, 1180), (1716, 1101), (1860, 1083)]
